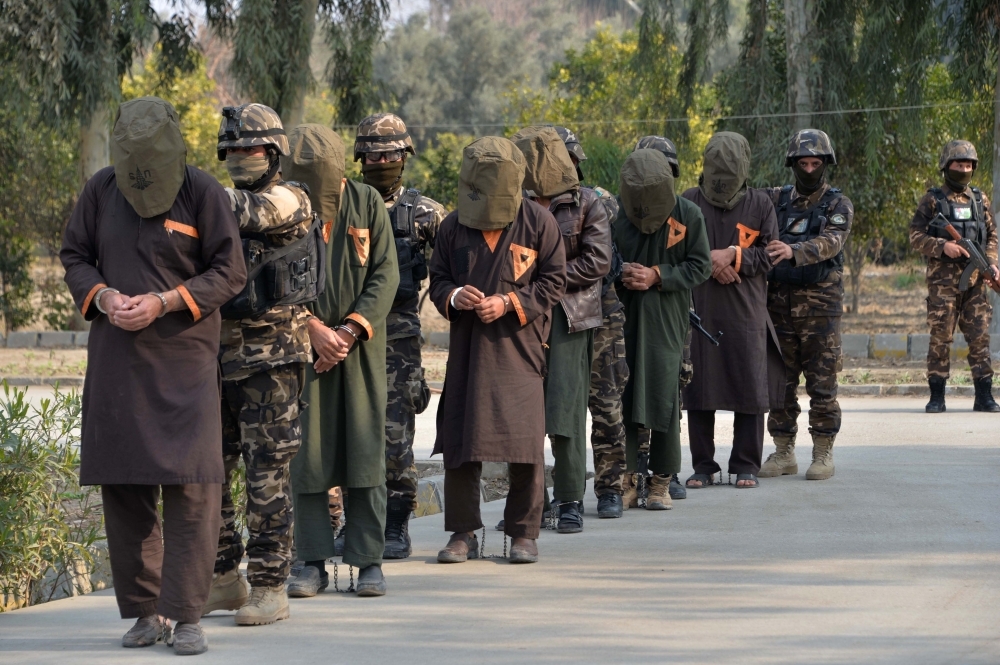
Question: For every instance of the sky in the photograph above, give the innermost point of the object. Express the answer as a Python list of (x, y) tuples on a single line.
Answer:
[(401, 9)]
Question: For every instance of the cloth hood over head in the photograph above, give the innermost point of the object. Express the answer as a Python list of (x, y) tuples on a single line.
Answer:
[(647, 189), (489, 183), (317, 159), (726, 168), (549, 170), (149, 155)]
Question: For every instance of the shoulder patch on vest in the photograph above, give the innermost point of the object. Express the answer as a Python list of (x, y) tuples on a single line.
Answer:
[(284, 200), (838, 220)]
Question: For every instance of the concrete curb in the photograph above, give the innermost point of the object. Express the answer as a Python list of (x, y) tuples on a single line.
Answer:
[(63, 381)]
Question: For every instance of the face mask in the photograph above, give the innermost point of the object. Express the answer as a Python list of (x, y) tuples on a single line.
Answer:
[(807, 183), (647, 190), (316, 158), (957, 180), (549, 170), (149, 155), (383, 176), (246, 170), (489, 183), (726, 167)]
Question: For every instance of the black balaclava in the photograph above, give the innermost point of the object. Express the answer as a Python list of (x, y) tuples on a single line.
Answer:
[(383, 176), (807, 183), (252, 172), (957, 180)]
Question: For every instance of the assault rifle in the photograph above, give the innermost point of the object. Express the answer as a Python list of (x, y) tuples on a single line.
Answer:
[(977, 258), (696, 324)]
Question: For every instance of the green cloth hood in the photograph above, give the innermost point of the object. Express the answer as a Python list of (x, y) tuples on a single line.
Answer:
[(725, 170), (647, 189), (316, 159), (489, 183), (549, 171), (149, 155)]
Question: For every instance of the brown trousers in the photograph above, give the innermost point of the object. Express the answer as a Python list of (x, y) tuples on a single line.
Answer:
[(523, 513), (748, 442), (162, 570)]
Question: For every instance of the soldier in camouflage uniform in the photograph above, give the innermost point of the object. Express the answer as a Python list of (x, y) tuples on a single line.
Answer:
[(968, 210), (609, 371), (805, 298), (676, 489), (263, 369), (382, 142)]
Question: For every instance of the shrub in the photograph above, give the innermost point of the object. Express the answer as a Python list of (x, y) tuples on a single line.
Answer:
[(48, 523)]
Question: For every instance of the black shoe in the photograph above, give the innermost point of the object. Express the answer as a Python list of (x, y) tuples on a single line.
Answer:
[(609, 505), (936, 405), (570, 520), (676, 490), (338, 544), (371, 581), (984, 396), (397, 532)]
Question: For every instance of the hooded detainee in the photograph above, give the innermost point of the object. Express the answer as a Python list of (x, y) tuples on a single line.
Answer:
[(499, 267), (151, 252)]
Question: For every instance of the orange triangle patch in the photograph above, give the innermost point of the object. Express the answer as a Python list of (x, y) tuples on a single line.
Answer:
[(524, 258), (327, 231), (361, 245), (676, 233), (492, 237), (747, 236)]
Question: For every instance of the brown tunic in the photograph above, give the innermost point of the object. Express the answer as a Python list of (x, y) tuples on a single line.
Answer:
[(493, 404), (151, 397), (744, 373)]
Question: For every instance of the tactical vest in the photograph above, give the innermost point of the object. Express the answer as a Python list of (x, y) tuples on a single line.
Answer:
[(969, 219), (409, 248), (292, 274), (797, 226)]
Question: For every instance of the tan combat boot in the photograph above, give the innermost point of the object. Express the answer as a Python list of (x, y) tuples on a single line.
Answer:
[(658, 497), (822, 466), (266, 605), (782, 461), (229, 592), (630, 491)]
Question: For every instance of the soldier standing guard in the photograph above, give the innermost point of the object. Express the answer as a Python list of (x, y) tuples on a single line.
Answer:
[(805, 298), (265, 345), (968, 210), (383, 141)]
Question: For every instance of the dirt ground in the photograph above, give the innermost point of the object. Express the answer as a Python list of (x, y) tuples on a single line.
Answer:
[(892, 300)]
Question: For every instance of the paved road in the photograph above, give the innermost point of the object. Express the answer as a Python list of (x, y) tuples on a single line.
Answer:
[(895, 560)]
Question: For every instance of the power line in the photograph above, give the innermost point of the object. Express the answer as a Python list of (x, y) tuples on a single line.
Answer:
[(761, 116)]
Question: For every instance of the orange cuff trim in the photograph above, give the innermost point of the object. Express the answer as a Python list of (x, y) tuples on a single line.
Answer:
[(517, 308), (188, 230), (189, 301), (90, 296), (363, 322), (657, 269), (739, 258)]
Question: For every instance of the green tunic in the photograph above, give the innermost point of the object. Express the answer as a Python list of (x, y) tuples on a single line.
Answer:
[(656, 321), (343, 427)]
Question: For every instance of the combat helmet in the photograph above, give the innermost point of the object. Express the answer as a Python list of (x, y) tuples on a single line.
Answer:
[(250, 125), (810, 143), (664, 145), (382, 132), (572, 143), (958, 151)]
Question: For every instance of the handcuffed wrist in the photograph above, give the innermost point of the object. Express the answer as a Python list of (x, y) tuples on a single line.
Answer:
[(100, 294)]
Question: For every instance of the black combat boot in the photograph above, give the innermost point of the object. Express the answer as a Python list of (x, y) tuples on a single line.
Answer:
[(609, 505), (397, 532), (936, 405), (984, 396)]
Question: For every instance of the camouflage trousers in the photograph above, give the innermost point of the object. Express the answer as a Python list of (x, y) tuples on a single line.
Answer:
[(408, 396), (970, 311), (810, 346), (260, 423), (608, 377)]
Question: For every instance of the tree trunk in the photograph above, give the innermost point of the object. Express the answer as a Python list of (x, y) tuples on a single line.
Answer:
[(94, 144), (297, 112), (799, 15)]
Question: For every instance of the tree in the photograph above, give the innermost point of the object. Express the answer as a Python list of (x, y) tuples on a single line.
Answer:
[(15, 280)]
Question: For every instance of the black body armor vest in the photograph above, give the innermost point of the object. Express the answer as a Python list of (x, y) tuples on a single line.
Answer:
[(409, 248), (796, 226), (292, 274), (969, 219)]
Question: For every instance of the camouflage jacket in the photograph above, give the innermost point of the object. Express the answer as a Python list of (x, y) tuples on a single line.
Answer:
[(825, 298), (940, 271), (278, 336), (404, 319)]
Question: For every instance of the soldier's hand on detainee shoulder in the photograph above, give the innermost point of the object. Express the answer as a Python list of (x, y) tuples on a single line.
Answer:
[(468, 297), (778, 251), (953, 250), (728, 275)]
